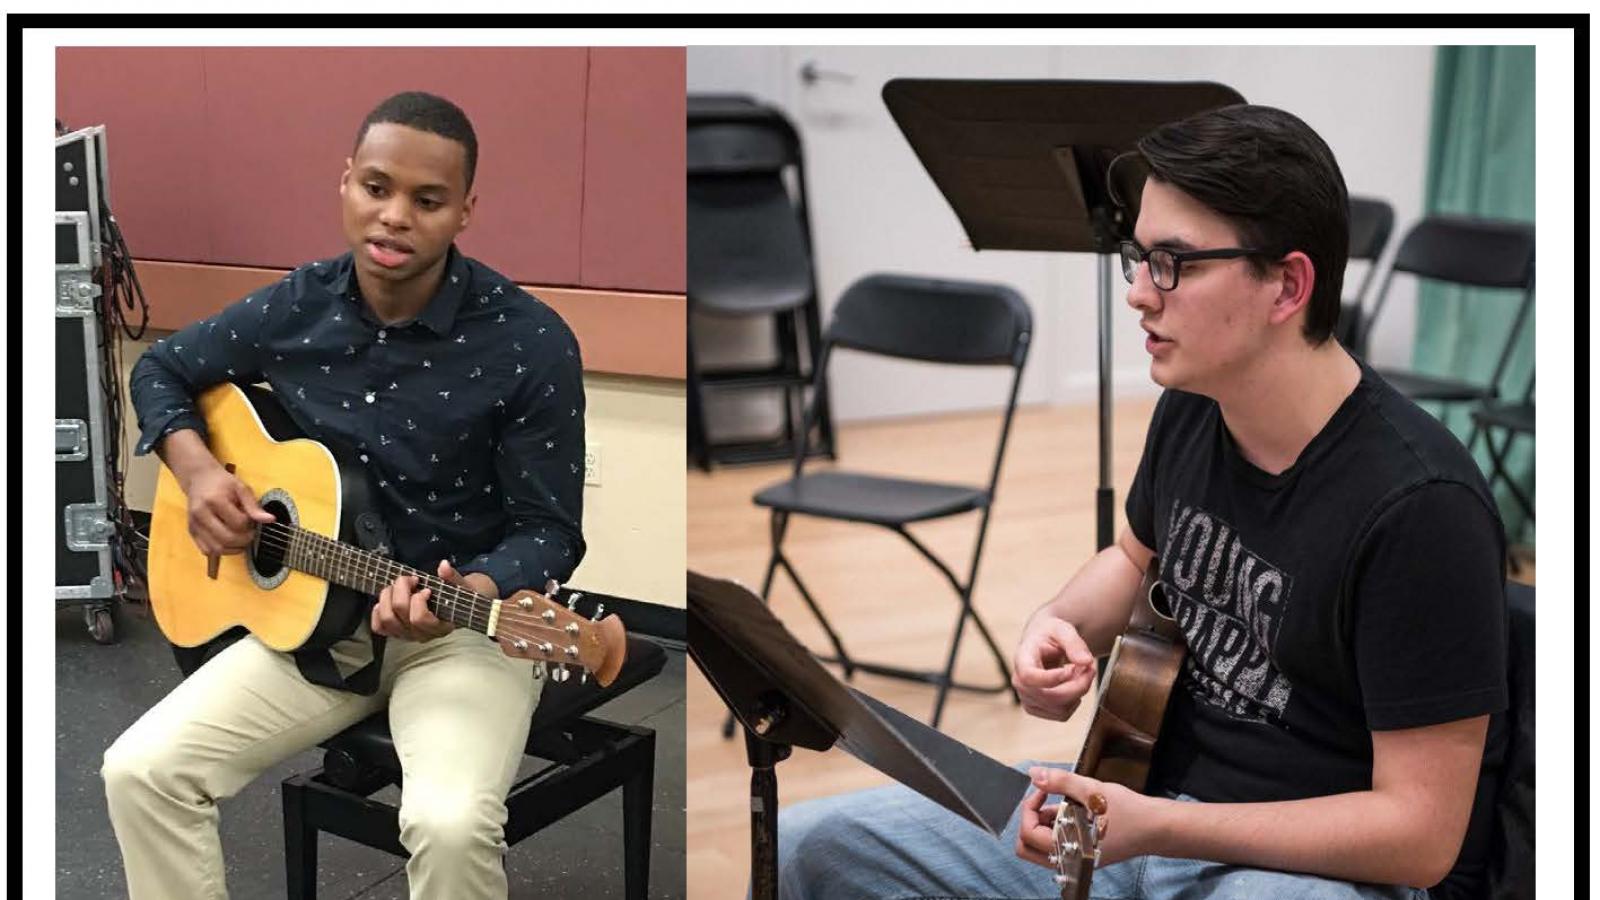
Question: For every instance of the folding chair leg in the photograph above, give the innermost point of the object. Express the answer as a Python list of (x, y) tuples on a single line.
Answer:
[(999, 657), (299, 844), (1497, 461), (637, 797), (950, 662), (780, 525), (841, 656), (948, 678), (699, 438)]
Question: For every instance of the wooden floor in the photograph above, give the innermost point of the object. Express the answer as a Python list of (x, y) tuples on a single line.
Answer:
[(888, 604)]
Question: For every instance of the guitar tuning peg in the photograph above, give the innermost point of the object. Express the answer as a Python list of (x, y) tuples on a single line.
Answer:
[(560, 675), (552, 587), (538, 672), (572, 599), (583, 677), (599, 610)]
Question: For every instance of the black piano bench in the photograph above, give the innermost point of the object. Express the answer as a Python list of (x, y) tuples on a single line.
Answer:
[(588, 757)]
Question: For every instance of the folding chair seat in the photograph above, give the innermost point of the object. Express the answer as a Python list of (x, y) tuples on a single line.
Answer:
[(749, 256), (1473, 252), (870, 498), (932, 320), (1371, 223)]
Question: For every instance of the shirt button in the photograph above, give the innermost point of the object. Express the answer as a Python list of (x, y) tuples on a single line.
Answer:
[(363, 457), (371, 397), (383, 333)]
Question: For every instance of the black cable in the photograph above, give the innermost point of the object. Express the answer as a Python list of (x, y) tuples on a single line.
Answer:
[(119, 290)]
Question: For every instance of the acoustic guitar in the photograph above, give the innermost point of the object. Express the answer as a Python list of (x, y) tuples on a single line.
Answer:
[(308, 578), (1144, 666)]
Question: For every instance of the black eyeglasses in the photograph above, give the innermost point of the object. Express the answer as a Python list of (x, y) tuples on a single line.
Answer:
[(1165, 264)]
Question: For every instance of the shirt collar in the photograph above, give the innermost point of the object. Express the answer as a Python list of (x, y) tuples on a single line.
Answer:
[(440, 313)]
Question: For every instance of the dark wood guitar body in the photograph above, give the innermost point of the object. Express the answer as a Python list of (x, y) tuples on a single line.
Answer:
[(1144, 666)]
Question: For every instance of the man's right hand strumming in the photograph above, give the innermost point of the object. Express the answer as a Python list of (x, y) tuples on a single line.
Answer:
[(223, 511), (1053, 668)]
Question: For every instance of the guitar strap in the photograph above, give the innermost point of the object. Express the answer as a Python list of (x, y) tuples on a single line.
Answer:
[(317, 666), (315, 658)]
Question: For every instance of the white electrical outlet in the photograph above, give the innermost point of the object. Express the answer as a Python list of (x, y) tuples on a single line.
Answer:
[(591, 465)]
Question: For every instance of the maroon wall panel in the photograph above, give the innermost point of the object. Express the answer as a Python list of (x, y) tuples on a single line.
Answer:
[(150, 100), (282, 122), (232, 156), (633, 181)]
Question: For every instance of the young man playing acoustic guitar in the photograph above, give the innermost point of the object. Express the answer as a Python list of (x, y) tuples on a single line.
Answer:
[(1331, 554), (463, 397)]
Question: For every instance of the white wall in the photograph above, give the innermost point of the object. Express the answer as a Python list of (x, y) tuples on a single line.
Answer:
[(874, 208)]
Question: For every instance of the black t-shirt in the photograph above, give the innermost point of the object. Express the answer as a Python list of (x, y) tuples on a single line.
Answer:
[(1360, 590)]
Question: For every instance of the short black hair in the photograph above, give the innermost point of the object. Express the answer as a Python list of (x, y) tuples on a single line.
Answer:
[(1274, 180), (430, 113)]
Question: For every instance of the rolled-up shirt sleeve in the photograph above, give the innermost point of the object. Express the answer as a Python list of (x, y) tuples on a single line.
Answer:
[(171, 374), (539, 467)]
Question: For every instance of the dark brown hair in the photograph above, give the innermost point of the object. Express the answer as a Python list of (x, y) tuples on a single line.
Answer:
[(1274, 180)]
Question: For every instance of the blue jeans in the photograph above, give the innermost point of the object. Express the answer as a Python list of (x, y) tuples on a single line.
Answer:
[(892, 843)]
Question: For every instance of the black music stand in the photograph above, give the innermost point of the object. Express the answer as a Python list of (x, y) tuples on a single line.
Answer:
[(1024, 166), (784, 698)]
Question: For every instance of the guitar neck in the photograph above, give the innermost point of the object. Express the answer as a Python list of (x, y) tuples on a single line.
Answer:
[(364, 571)]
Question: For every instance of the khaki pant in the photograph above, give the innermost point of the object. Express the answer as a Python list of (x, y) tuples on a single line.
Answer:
[(459, 710)]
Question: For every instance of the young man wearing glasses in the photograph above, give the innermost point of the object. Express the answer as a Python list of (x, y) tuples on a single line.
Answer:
[(1332, 556)]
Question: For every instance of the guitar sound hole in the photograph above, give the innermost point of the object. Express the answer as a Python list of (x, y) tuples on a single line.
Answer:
[(1159, 601), (266, 554)]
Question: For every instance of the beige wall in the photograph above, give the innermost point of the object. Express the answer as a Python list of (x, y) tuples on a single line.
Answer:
[(633, 520)]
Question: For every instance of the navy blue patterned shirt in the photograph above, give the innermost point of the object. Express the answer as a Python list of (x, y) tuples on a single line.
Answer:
[(468, 418)]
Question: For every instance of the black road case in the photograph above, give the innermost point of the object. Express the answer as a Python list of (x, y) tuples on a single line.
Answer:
[(84, 571)]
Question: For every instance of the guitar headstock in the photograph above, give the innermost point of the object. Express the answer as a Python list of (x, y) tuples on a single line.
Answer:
[(536, 626), (1077, 849)]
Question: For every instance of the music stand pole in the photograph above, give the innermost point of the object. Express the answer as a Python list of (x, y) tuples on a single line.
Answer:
[(764, 756), (1104, 497)]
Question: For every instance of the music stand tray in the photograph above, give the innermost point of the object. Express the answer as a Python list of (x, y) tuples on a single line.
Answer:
[(784, 698)]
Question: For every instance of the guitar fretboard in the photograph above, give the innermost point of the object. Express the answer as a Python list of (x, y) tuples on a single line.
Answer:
[(362, 570)]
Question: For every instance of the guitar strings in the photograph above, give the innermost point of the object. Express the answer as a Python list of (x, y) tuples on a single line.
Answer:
[(338, 559), (379, 570)]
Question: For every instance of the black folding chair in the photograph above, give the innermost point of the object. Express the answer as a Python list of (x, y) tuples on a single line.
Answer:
[(1371, 223), (1475, 252), (957, 322), (749, 255), (1509, 419)]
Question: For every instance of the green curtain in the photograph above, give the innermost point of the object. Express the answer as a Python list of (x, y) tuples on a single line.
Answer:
[(1480, 163)]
